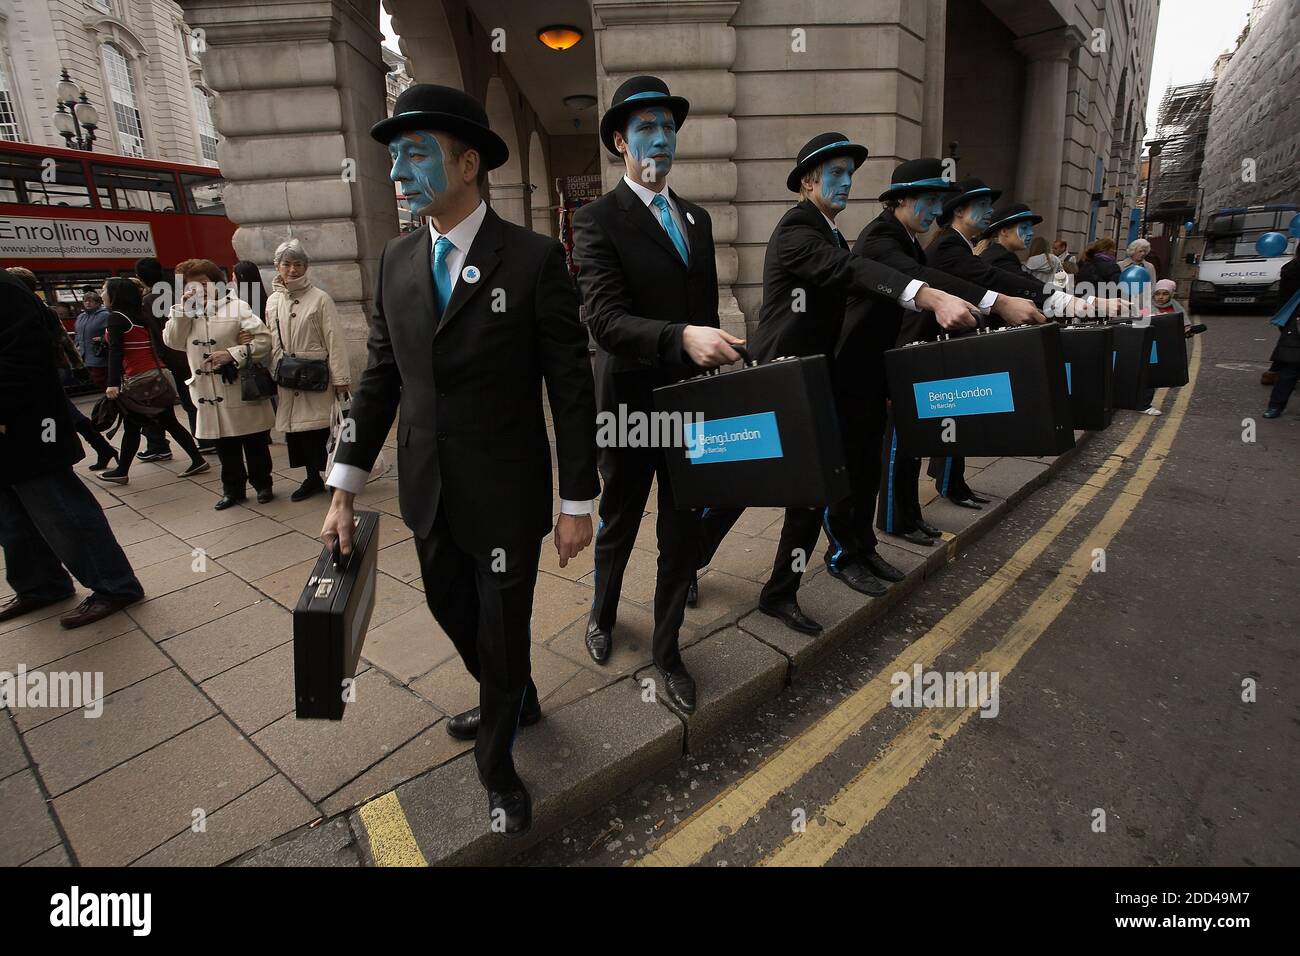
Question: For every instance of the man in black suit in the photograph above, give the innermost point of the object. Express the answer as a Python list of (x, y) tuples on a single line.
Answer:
[(650, 283), (912, 203), (967, 214), (50, 523), (808, 272), (472, 315)]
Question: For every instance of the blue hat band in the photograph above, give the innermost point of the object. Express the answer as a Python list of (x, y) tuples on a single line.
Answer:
[(1027, 214), (973, 193), (648, 94), (822, 149), (937, 182)]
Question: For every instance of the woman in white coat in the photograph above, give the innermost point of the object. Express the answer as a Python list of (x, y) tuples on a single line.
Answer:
[(206, 325), (305, 325)]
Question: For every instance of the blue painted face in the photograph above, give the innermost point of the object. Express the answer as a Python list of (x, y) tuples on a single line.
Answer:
[(651, 143), (980, 212), (1025, 231), (928, 206), (418, 169), (837, 178)]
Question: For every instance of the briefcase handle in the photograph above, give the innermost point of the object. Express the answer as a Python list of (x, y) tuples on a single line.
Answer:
[(745, 361), (981, 327), (340, 559)]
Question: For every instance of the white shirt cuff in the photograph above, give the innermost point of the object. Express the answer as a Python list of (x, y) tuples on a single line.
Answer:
[(987, 303), (1059, 304), (907, 299), (348, 478), (574, 507)]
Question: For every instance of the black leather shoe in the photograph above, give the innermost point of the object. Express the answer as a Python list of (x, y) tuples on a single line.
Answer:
[(265, 495), (312, 486), (94, 609), (510, 811), (599, 642), (978, 499), (967, 503), (858, 578), (693, 592), (792, 616), (228, 501), (881, 568), (465, 726), (16, 606), (926, 528), (680, 688), (918, 537), (103, 462)]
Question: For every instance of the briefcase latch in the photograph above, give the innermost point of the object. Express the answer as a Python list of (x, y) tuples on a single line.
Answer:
[(324, 587)]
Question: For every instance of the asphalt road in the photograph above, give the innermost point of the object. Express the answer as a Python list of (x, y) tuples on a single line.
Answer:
[(1121, 736)]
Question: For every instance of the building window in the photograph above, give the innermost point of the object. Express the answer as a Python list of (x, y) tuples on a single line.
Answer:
[(207, 131), (121, 90), (104, 6), (8, 114)]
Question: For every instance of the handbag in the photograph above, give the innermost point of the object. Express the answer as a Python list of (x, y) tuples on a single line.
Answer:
[(153, 388), (255, 382), (306, 375)]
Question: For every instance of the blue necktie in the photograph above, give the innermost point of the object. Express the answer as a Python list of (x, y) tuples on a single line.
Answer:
[(441, 276), (839, 240), (675, 234)]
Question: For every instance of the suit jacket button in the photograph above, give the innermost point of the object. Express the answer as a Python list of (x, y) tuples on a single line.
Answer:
[(442, 436)]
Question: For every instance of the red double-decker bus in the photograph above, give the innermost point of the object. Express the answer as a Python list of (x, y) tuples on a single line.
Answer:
[(75, 217)]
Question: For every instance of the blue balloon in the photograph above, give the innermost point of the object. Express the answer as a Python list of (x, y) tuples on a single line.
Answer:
[(1271, 244), (1189, 226), (1295, 226), (1135, 276)]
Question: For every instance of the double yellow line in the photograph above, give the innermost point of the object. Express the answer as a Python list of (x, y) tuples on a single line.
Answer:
[(872, 789)]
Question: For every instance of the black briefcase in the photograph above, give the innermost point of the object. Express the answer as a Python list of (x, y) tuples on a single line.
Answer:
[(330, 621), (1168, 356), (1131, 358), (761, 436), (1089, 374), (990, 393)]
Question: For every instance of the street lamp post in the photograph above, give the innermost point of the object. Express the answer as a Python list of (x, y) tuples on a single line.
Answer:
[(75, 118)]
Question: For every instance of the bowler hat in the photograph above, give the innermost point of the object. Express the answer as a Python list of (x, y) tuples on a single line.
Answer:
[(639, 93), (820, 148), (444, 109), (1008, 214), (923, 175), (969, 189)]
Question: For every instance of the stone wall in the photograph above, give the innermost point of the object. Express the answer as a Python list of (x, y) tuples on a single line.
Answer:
[(1256, 115)]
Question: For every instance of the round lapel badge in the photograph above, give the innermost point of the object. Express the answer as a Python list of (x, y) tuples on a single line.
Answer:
[(690, 219), (470, 274)]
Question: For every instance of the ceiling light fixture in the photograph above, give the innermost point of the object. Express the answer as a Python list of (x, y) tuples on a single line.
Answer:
[(559, 37), (580, 101)]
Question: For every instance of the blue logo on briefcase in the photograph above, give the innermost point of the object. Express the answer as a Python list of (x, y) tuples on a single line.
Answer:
[(1069, 381), (970, 395), (1155, 358), (742, 438)]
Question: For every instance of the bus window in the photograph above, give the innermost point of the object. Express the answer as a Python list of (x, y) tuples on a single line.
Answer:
[(32, 180), (137, 190), (205, 195)]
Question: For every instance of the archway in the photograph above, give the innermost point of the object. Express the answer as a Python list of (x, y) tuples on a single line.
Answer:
[(539, 181), (508, 190), (425, 39)]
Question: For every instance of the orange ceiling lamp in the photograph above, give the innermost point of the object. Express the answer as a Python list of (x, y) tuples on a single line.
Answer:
[(559, 37)]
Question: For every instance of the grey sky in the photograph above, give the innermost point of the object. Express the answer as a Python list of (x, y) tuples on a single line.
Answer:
[(1189, 36)]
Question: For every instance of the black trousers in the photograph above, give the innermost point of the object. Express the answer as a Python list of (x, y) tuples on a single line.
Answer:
[(627, 474), (799, 533), (484, 602), (164, 423), (848, 522), (1288, 373), (949, 476), (899, 507), (255, 449)]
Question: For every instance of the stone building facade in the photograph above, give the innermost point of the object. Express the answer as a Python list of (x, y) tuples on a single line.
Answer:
[(1252, 151), (136, 60), (1043, 97)]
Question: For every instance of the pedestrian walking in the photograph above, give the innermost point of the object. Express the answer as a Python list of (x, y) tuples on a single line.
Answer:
[(307, 351), (154, 305), (50, 523), (134, 350), (90, 338), (206, 323)]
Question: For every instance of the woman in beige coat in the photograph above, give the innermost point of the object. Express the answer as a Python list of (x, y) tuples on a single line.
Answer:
[(305, 324), (206, 325)]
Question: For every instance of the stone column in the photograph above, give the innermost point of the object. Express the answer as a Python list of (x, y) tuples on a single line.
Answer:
[(1042, 125), (299, 84), (691, 45), (936, 29)]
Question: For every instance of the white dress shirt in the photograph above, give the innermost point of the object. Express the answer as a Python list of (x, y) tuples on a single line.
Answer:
[(350, 477), (648, 197)]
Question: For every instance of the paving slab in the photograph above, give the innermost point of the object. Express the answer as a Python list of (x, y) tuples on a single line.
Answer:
[(734, 673), (43, 641), (573, 762), (408, 646), (329, 844), (267, 811), (12, 758), (55, 856), (257, 692), (219, 645), (400, 561), (236, 537), (632, 641), (320, 756), (268, 557), (145, 554), (123, 814), (74, 748), (118, 663), (26, 827), (181, 611), (130, 527), (431, 748), (724, 599), (1011, 476), (557, 603), (43, 614), (285, 587)]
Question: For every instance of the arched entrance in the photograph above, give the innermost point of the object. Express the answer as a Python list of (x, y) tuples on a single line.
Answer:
[(507, 187), (542, 206)]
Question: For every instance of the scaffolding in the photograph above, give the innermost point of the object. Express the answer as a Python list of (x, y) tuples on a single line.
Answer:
[(1181, 128)]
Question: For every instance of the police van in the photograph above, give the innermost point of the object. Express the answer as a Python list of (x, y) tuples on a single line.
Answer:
[(1232, 274)]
